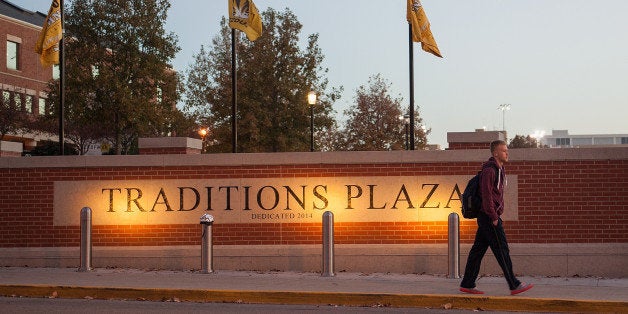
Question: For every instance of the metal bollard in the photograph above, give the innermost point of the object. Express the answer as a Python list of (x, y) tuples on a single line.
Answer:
[(454, 245), (207, 247), (86, 239), (328, 244)]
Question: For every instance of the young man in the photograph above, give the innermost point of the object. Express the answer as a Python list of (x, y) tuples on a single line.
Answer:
[(490, 230)]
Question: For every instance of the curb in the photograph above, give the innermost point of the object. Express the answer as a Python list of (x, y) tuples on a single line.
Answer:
[(319, 298)]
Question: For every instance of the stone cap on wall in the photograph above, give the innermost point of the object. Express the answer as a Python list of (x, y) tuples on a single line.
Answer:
[(165, 142), (479, 136), (11, 149), (315, 158), (169, 145)]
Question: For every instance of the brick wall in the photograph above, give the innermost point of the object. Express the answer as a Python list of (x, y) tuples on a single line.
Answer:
[(9, 154), (564, 196)]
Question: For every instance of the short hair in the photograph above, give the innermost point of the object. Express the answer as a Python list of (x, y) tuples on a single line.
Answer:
[(496, 143)]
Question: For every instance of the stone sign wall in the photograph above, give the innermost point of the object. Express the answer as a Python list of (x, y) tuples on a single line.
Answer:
[(263, 202)]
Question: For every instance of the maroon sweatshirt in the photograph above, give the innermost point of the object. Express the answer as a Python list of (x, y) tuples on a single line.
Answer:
[(492, 182)]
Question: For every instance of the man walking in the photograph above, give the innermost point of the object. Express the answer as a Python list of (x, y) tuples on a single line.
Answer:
[(490, 231)]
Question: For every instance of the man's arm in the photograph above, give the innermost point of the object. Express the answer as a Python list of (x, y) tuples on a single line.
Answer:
[(486, 188)]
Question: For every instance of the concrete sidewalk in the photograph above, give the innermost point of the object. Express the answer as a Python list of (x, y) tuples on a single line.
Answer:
[(396, 290)]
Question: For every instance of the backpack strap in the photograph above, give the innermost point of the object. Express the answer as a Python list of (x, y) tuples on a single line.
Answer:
[(498, 181)]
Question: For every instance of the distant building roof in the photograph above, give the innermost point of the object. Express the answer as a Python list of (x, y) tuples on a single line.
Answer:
[(480, 139), (14, 11), (562, 138)]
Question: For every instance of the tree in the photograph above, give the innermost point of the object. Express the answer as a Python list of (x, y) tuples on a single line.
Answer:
[(12, 118), (274, 77), (521, 141), (118, 79), (82, 124), (329, 139), (374, 121)]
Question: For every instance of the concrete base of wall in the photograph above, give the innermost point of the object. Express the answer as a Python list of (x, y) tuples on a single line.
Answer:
[(605, 260)]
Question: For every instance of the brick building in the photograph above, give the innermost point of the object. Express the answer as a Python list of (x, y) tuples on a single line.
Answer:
[(23, 80), (480, 139)]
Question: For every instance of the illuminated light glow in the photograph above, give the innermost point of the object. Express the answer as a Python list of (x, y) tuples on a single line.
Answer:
[(272, 200)]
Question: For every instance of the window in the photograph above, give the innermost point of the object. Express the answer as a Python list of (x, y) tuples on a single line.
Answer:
[(28, 103), (55, 72), (563, 142), (42, 106), (604, 141), (17, 100), (12, 55), (6, 98), (624, 140), (159, 94), (582, 141), (95, 71)]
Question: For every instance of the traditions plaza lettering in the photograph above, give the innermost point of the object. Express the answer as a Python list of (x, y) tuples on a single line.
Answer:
[(268, 197), (353, 199)]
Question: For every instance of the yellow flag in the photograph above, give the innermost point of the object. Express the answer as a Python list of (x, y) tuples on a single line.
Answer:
[(243, 15), (51, 33), (421, 28)]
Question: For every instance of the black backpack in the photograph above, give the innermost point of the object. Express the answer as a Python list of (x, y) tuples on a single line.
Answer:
[(472, 198)]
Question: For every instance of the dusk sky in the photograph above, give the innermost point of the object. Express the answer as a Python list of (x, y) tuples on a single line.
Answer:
[(560, 64)]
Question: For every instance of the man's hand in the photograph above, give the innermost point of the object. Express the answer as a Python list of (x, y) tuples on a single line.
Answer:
[(495, 222)]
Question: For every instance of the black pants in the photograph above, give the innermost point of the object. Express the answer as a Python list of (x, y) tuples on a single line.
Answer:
[(495, 238)]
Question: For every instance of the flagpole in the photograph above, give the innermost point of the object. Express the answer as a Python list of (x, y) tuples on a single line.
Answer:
[(234, 95), (411, 68), (61, 84)]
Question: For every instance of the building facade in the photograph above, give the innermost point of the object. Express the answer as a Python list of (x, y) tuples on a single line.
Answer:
[(23, 80), (562, 138)]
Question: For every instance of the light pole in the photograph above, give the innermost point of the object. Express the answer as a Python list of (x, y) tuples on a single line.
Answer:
[(311, 100), (203, 133), (406, 120), (503, 108)]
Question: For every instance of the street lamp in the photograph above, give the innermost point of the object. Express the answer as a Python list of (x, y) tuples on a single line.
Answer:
[(203, 133), (311, 100), (503, 108)]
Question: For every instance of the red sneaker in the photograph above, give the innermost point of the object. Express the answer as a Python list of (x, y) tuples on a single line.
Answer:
[(471, 290), (523, 287)]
